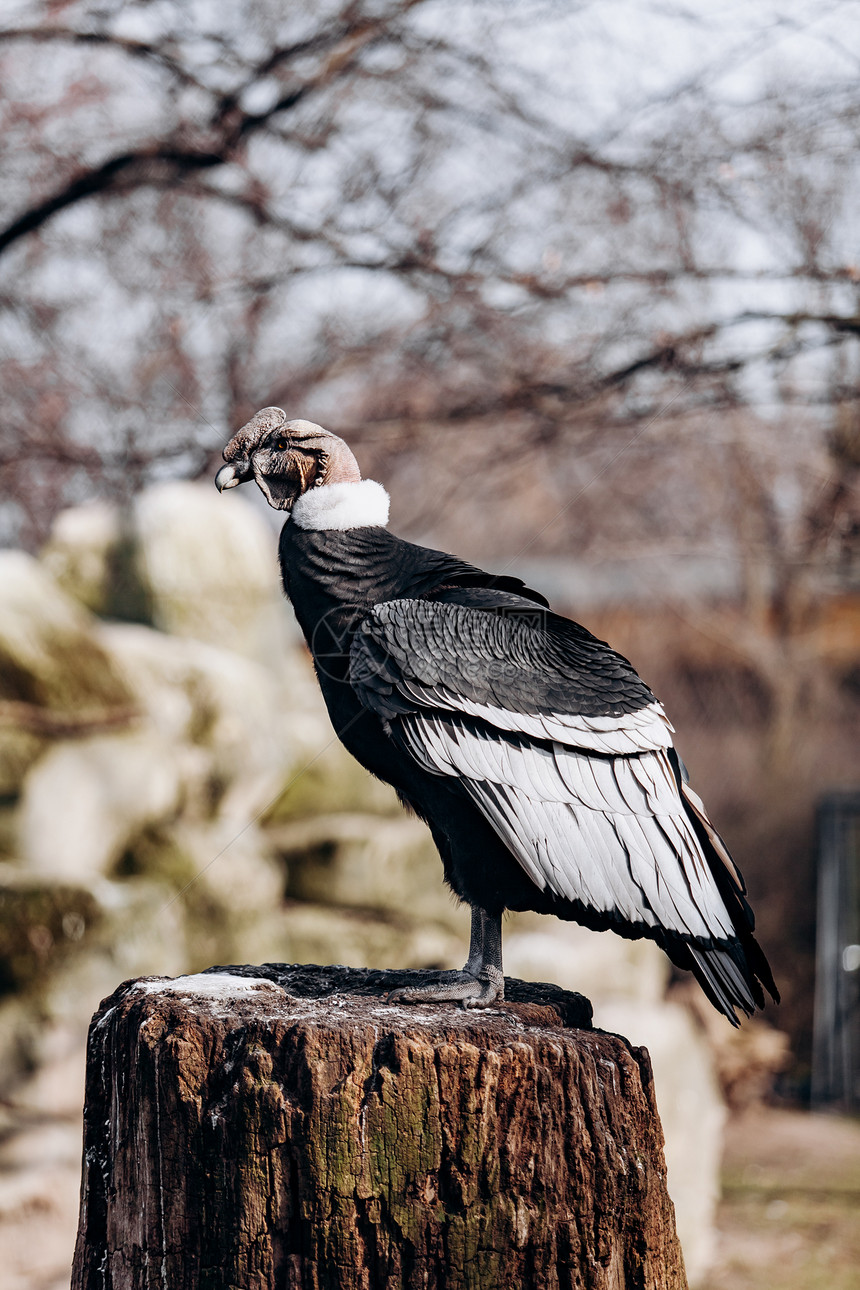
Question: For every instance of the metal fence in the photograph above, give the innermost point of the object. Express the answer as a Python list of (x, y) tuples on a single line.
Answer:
[(836, 1046)]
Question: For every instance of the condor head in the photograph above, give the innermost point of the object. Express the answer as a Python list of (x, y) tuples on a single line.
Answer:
[(285, 458)]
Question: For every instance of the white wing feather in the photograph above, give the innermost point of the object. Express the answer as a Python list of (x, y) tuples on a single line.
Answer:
[(609, 831), (626, 734)]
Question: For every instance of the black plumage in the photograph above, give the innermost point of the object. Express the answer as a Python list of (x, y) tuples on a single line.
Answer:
[(541, 761)]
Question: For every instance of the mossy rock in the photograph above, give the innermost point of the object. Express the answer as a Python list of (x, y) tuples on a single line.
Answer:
[(300, 932), (126, 929), (8, 826), (92, 554), (155, 853), (333, 781), (49, 657), (40, 922), (19, 749), (209, 924), (221, 894), (365, 862)]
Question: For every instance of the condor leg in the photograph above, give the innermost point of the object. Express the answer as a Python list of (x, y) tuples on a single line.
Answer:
[(481, 981)]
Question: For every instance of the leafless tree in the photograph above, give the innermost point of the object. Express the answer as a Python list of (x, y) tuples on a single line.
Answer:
[(386, 216), (392, 218)]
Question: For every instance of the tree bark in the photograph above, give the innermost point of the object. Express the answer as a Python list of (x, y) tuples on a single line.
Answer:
[(285, 1127)]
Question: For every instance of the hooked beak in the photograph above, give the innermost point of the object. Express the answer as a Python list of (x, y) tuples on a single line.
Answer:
[(235, 472)]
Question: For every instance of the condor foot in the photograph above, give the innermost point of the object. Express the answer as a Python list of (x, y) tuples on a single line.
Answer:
[(480, 991)]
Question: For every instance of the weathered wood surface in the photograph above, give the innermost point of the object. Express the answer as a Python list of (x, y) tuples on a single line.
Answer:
[(285, 1127)]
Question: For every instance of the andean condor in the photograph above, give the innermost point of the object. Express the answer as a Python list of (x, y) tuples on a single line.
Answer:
[(540, 760)]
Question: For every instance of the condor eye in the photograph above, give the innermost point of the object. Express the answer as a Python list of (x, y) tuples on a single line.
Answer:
[(281, 445)]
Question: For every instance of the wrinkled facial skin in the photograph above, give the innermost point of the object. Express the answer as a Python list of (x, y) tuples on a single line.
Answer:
[(284, 458), (283, 471)]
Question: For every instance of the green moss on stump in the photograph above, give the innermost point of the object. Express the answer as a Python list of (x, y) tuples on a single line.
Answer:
[(293, 1138)]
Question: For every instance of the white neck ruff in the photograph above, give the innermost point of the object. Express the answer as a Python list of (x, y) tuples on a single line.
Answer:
[(342, 506)]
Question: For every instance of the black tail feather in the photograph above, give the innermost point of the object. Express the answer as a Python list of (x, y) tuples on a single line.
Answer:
[(733, 975), (724, 982)]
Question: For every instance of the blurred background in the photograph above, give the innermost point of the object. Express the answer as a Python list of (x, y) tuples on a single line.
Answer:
[(580, 284)]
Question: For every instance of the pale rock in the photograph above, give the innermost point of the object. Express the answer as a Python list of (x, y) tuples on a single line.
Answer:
[(55, 678), (300, 932), (140, 933), (82, 552), (232, 866), (365, 861), (232, 710), (83, 937), (209, 566), (747, 1058), (160, 671), (8, 822), (85, 800), (224, 883), (596, 964), (49, 656), (19, 749), (327, 778)]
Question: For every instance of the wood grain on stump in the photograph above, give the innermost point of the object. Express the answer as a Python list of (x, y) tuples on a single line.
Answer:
[(285, 1127)]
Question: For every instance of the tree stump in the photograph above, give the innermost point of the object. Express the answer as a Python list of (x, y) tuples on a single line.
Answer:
[(283, 1126)]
